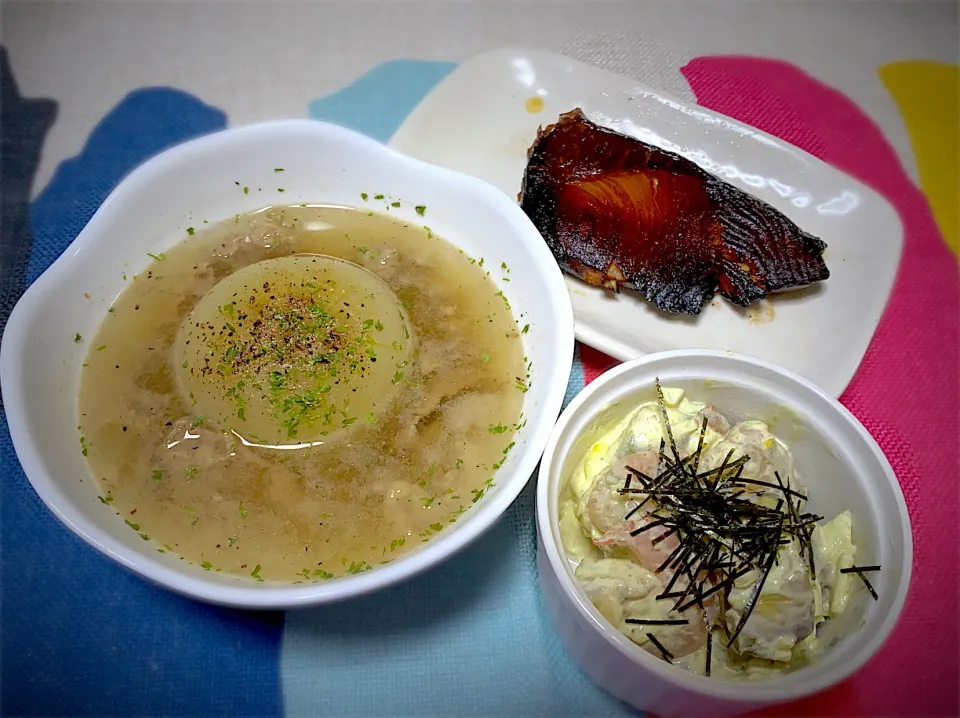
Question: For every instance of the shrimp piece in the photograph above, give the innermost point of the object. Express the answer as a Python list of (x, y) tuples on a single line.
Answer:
[(681, 640), (620, 589), (603, 508), (644, 461), (715, 420), (650, 555)]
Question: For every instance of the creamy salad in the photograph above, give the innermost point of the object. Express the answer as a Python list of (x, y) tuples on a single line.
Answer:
[(692, 538)]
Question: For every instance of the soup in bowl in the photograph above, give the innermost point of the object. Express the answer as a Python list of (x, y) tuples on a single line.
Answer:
[(284, 365)]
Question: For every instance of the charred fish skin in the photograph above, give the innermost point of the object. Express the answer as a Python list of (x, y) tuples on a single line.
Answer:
[(764, 252), (617, 212)]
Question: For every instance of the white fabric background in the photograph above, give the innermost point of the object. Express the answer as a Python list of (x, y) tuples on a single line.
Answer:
[(267, 59)]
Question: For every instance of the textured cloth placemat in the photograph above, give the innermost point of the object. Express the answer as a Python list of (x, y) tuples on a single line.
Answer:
[(80, 636)]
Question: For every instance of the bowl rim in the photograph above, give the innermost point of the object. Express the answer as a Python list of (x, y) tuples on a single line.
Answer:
[(277, 595), (746, 693)]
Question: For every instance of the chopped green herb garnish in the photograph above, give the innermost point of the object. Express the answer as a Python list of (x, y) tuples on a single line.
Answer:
[(191, 472), (526, 328), (319, 572), (243, 511), (497, 428), (485, 357), (190, 231), (256, 572), (77, 338), (427, 501), (363, 196), (378, 196), (135, 527), (397, 543), (278, 169), (246, 190), (197, 420), (157, 475), (101, 347), (108, 499), (358, 567), (232, 540), (420, 209), (394, 204), (206, 565)]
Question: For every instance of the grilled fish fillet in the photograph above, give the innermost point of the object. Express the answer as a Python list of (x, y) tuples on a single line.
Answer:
[(617, 212)]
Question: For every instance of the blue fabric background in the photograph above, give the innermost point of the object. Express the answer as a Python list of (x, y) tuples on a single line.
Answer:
[(81, 636)]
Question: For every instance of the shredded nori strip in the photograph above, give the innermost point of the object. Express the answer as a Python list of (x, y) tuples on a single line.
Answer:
[(709, 653), (632, 512), (667, 656), (647, 527), (670, 558), (696, 454), (859, 569), (662, 536), (868, 585), (657, 621), (781, 487), (666, 422)]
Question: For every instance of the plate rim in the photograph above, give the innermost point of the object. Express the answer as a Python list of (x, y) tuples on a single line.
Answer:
[(833, 382)]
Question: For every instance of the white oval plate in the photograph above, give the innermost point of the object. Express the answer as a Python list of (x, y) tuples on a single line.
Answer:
[(476, 121)]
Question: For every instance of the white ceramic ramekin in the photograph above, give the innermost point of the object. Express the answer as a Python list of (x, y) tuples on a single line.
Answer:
[(213, 178), (839, 463)]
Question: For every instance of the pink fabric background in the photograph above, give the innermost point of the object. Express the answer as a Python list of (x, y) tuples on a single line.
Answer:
[(905, 392)]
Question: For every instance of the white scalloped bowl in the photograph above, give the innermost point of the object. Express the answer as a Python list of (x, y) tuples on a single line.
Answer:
[(150, 211), (837, 460)]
